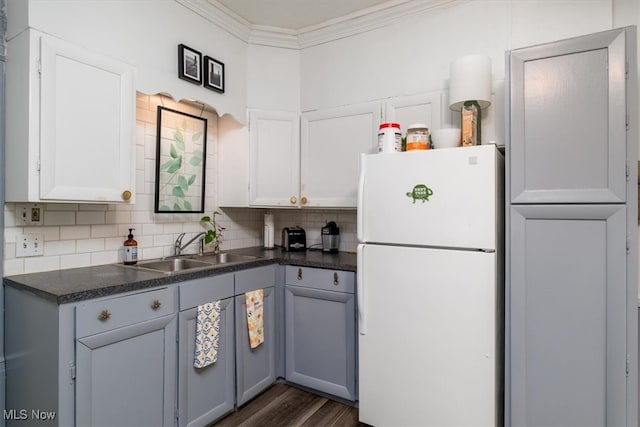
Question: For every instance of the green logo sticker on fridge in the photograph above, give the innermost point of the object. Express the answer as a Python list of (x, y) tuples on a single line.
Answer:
[(420, 192)]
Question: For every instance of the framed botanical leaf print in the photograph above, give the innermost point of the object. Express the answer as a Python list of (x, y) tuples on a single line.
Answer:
[(181, 152)]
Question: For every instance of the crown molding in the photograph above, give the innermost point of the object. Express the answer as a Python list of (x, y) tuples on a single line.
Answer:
[(365, 20), (221, 16), (334, 29), (274, 36)]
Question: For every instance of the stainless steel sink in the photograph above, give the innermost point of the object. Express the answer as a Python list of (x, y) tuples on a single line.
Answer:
[(225, 258), (185, 263), (172, 265)]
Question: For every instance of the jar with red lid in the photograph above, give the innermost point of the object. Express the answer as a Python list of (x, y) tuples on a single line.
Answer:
[(389, 138)]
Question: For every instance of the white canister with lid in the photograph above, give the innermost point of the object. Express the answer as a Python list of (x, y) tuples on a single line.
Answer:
[(389, 138)]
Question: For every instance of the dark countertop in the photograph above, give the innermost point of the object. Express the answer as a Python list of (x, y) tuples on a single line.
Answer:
[(78, 284)]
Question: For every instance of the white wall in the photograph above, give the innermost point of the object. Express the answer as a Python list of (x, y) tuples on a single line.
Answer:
[(273, 78), (146, 34)]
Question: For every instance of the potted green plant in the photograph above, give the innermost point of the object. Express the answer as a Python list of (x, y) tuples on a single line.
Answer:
[(214, 233)]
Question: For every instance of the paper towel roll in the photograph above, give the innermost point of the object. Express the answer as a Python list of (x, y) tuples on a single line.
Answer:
[(268, 232)]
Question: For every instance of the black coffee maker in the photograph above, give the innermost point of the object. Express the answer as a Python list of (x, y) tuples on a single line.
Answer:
[(330, 237)]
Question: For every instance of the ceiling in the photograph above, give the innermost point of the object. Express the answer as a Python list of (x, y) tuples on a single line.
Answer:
[(297, 14)]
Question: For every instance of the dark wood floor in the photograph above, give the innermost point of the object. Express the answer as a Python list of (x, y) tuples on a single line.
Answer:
[(286, 406)]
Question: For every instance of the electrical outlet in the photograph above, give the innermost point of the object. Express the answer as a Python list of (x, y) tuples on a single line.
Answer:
[(29, 245), (29, 214)]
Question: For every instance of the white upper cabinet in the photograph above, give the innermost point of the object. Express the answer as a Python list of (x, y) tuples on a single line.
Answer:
[(274, 158), (407, 110), (312, 160), (70, 123), (309, 162), (331, 143)]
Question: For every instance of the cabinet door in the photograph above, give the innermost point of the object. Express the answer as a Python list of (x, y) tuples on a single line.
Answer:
[(568, 121), (206, 394), (126, 376), (255, 367), (274, 158), (567, 315), (320, 340), (87, 116), (331, 143), (407, 110)]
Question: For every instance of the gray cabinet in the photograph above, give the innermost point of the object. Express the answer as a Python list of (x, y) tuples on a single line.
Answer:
[(87, 362), (255, 368), (33, 381), (571, 260), (206, 394), (568, 340), (126, 352), (320, 340), (568, 121)]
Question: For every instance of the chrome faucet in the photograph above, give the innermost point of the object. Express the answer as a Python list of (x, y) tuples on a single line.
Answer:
[(178, 246)]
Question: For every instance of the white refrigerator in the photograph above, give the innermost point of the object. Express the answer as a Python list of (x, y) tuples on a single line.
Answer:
[(430, 287)]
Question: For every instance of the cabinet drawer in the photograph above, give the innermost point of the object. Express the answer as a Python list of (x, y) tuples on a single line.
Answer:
[(255, 278), (208, 289), (103, 315), (319, 278)]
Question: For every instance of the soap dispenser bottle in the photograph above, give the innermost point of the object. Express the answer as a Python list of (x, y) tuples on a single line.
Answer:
[(130, 249)]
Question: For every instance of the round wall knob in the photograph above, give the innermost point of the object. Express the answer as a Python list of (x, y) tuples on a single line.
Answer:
[(303, 200), (104, 315), (155, 305), (293, 200), (126, 195)]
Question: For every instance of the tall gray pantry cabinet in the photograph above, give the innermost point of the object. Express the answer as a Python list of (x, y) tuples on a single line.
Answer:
[(571, 259)]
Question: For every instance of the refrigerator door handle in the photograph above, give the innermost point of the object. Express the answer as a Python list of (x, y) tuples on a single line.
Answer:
[(362, 319), (360, 214)]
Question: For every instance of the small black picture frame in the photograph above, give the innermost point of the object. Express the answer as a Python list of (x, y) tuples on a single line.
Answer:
[(189, 64), (213, 74)]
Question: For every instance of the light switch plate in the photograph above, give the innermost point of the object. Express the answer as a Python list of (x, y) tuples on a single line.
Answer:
[(29, 214), (29, 245)]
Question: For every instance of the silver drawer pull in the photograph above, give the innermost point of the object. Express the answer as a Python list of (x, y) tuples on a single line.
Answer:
[(155, 305), (299, 274), (104, 315), (336, 281)]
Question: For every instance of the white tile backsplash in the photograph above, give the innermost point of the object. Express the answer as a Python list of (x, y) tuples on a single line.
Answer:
[(60, 247), (104, 230), (73, 232), (58, 217), (73, 261), (313, 220), (88, 245), (90, 217)]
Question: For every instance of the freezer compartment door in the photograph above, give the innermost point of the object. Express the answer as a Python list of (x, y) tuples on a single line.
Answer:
[(450, 197), (428, 354)]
